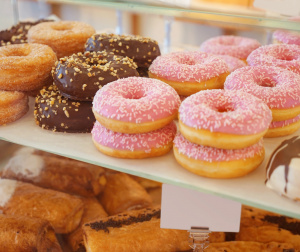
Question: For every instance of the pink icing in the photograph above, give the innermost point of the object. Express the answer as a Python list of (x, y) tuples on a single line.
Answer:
[(239, 47), (136, 100), (134, 142), (277, 87), (287, 37), (226, 111), (233, 63), (210, 154), (280, 55), (188, 66), (280, 124)]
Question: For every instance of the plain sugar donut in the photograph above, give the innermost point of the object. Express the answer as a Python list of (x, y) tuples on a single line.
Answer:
[(135, 105), (225, 119), (64, 37)]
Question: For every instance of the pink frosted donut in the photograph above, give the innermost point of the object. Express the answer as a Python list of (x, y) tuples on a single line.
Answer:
[(135, 105), (280, 55), (217, 163), (225, 119), (233, 63), (277, 87), (283, 128), (154, 143), (286, 37), (235, 46), (189, 72)]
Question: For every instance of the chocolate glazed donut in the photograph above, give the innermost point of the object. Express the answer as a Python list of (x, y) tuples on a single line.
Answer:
[(142, 50), (57, 113), (81, 75)]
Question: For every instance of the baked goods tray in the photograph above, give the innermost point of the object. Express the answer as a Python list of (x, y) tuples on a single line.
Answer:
[(249, 190)]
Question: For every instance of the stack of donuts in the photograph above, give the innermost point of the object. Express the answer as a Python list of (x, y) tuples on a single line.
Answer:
[(221, 133), (135, 118)]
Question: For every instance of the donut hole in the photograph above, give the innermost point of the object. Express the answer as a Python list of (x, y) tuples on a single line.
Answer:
[(18, 52), (225, 109), (187, 61), (61, 27), (287, 57), (134, 96), (266, 82)]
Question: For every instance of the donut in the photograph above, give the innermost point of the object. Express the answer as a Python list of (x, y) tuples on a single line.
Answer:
[(57, 113), (134, 146), (25, 67), (135, 105), (13, 105), (81, 75), (189, 72), (280, 55), (64, 37), (217, 163), (283, 128), (283, 173), (142, 50), (235, 46), (17, 34), (277, 87), (225, 119), (233, 63)]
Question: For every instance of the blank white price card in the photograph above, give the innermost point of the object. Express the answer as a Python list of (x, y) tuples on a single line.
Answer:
[(183, 208)]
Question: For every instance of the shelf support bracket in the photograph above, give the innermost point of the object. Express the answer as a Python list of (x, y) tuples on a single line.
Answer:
[(15, 7)]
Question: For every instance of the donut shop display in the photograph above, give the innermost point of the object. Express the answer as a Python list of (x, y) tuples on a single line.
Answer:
[(127, 96)]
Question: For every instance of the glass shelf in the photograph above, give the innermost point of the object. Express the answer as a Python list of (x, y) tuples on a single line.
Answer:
[(249, 190), (199, 11)]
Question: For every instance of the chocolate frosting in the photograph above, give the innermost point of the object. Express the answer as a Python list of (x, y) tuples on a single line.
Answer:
[(57, 113), (281, 221), (142, 50), (81, 75), (17, 34), (124, 220), (283, 155)]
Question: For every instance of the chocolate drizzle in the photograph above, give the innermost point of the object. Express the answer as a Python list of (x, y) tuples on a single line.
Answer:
[(283, 155), (117, 223), (293, 227)]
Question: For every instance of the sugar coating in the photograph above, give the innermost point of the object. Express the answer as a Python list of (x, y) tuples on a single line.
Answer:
[(277, 87), (280, 124), (232, 62), (134, 142), (136, 100), (210, 154), (188, 66), (7, 189), (280, 55), (226, 111), (27, 165), (235, 46), (287, 37)]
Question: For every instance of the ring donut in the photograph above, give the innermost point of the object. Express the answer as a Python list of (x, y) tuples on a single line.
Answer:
[(25, 67), (142, 50), (135, 146), (225, 119), (64, 37), (135, 105), (235, 46), (217, 163), (189, 72), (81, 75), (277, 87), (57, 113)]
